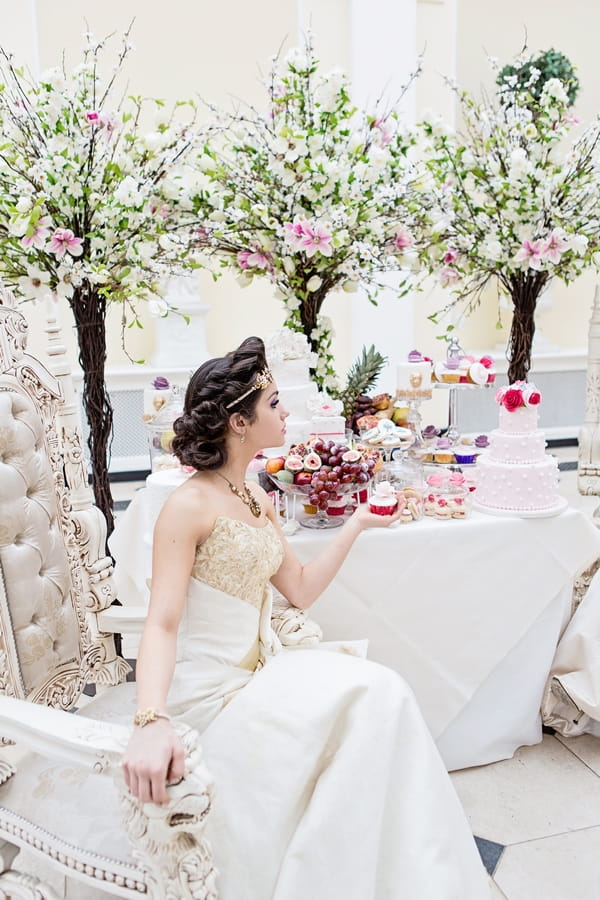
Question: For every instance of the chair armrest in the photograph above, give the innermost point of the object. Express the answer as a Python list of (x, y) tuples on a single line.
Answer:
[(95, 746), (168, 840), (123, 619)]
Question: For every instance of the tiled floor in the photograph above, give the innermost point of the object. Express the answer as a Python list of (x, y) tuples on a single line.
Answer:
[(536, 816)]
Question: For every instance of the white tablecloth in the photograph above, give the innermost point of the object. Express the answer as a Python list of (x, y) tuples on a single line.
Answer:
[(468, 611)]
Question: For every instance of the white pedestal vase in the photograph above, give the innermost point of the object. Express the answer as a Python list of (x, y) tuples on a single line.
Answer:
[(181, 345)]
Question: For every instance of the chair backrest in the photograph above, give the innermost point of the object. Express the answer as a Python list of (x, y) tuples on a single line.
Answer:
[(55, 576)]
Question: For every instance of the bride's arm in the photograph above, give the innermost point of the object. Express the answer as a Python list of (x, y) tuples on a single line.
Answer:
[(154, 754), (302, 585)]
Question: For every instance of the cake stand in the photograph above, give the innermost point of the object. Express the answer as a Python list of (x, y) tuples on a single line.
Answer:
[(387, 443), (453, 433), (554, 510)]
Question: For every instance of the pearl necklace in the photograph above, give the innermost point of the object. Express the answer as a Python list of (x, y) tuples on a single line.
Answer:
[(246, 496)]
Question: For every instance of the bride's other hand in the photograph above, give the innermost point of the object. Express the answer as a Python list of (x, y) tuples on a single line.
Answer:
[(153, 759)]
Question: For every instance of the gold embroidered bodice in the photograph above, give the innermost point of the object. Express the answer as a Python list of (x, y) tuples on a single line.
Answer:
[(238, 559)]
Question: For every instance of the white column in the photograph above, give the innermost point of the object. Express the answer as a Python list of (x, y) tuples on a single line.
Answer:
[(179, 344), (383, 54), (20, 32)]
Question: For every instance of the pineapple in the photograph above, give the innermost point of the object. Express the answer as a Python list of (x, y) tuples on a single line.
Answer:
[(362, 375)]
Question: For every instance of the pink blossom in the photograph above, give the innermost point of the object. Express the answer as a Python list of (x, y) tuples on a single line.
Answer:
[(448, 276), (252, 259), (532, 252), (201, 234), (316, 238), (403, 239), (108, 122), (40, 232), (64, 240), (92, 117), (555, 245), (385, 130), (160, 209), (295, 231), (450, 256)]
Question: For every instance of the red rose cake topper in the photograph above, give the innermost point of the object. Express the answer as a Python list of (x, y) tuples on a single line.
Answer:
[(517, 395)]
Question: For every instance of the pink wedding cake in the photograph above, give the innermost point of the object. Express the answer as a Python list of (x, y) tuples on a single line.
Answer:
[(515, 474)]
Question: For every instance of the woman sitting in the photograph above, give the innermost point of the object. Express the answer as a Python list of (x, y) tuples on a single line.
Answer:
[(328, 785)]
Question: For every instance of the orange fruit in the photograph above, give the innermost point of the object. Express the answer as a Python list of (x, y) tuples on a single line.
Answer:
[(275, 464)]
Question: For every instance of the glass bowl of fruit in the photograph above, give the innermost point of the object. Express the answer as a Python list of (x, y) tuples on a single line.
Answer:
[(322, 477)]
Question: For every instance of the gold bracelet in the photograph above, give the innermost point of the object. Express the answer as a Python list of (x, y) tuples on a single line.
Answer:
[(147, 716)]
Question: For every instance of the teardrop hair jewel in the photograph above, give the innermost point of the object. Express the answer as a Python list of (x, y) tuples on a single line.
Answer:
[(262, 380), (246, 496)]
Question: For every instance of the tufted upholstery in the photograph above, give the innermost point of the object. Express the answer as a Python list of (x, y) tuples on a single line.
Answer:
[(55, 582), (33, 557)]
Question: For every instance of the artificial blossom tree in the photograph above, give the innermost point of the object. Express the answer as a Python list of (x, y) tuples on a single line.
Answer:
[(516, 201), (94, 207), (312, 193)]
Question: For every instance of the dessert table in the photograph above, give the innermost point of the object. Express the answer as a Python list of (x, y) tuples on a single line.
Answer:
[(469, 611)]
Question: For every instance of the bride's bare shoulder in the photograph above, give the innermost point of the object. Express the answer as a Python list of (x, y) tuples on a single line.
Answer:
[(191, 506)]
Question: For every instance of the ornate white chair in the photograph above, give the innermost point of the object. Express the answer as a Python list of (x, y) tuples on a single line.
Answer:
[(62, 797)]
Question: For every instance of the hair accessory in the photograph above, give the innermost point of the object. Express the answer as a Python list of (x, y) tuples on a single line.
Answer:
[(145, 717), (262, 380)]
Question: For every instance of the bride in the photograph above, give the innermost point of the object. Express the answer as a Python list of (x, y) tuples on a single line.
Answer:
[(327, 783)]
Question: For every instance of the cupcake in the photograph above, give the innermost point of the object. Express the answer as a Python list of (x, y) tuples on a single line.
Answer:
[(430, 433), (451, 372), (442, 452), (336, 506), (481, 441), (383, 500), (465, 452)]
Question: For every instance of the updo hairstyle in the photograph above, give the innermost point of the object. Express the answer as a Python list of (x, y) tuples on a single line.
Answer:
[(201, 429)]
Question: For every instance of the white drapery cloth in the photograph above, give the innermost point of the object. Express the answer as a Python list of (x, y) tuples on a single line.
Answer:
[(572, 697)]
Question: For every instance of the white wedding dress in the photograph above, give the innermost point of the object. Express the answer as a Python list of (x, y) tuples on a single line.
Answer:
[(327, 783)]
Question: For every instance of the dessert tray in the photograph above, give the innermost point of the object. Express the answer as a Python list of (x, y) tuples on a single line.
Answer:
[(297, 495)]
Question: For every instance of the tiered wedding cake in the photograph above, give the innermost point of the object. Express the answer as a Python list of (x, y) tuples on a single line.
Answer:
[(289, 357), (515, 474)]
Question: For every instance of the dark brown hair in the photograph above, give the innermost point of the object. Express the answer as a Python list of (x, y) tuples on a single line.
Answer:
[(201, 429)]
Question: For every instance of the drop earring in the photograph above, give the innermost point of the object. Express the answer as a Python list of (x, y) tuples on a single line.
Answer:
[(242, 438)]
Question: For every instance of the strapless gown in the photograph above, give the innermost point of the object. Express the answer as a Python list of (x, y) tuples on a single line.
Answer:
[(328, 785)]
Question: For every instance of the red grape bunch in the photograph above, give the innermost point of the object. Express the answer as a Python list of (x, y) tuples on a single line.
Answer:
[(339, 466)]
